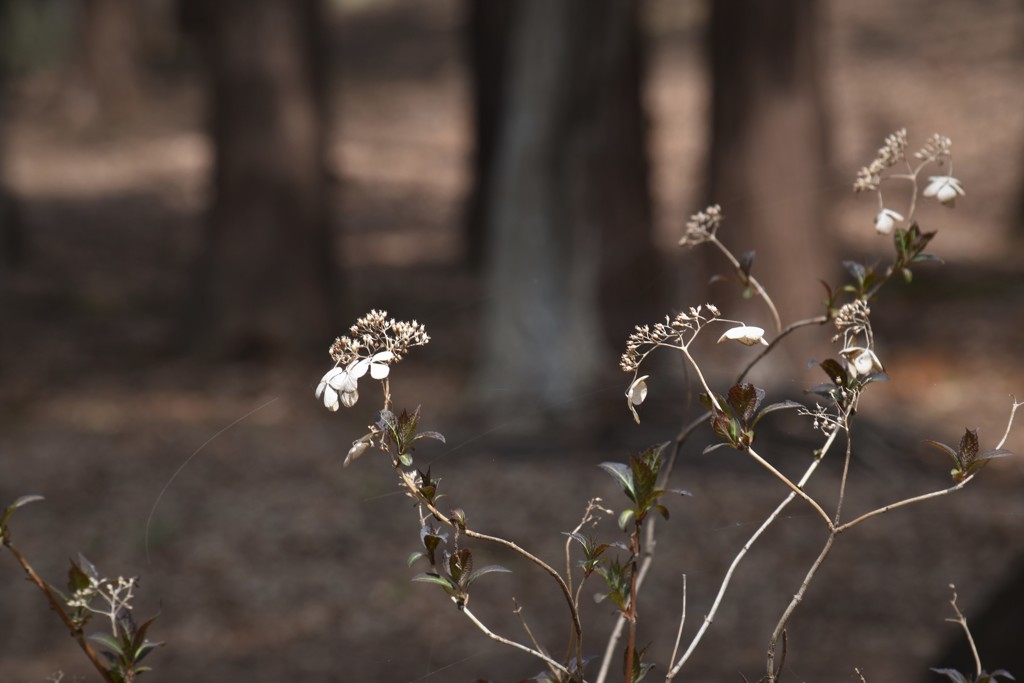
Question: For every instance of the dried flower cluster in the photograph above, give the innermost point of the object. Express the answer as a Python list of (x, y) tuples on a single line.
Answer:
[(936, 149), (646, 337), (894, 150), (374, 333), (117, 596), (854, 325), (702, 226), (374, 344)]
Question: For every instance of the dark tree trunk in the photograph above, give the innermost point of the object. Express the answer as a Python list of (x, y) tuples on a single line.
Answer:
[(768, 148), (265, 276), (12, 244), (567, 207), (487, 45)]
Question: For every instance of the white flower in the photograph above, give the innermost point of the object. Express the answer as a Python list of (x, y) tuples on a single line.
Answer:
[(747, 335), (862, 361), (635, 395), (886, 220), (340, 385), (945, 188)]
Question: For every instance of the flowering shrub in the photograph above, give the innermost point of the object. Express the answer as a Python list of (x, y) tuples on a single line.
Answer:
[(376, 343), (731, 415)]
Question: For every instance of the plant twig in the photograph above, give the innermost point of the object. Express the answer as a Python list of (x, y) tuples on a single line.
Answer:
[(789, 482), (709, 618), (511, 643), (567, 594), (56, 606), (962, 620), (750, 280)]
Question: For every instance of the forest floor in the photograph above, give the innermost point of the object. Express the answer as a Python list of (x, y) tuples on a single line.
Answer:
[(268, 562)]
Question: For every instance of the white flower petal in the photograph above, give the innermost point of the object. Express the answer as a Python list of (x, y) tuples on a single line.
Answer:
[(886, 220), (379, 370), (349, 398), (344, 381), (358, 368), (330, 398), (944, 188), (744, 334), (637, 392), (381, 356)]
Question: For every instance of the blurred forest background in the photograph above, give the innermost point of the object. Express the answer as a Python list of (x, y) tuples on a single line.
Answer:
[(196, 197)]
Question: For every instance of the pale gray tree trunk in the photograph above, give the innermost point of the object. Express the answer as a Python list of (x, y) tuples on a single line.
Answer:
[(567, 217)]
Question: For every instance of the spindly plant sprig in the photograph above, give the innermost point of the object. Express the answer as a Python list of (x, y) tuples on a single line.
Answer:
[(376, 343), (90, 595)]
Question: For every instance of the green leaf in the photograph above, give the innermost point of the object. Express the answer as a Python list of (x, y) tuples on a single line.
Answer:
[(430, 577), (952, 674), (20, 502), (715, 446), (108, 641), (855, 269), (489, 569), (413, 556), (623, 475), (997, 453), (625, 516), (437, 436), (405, 459), (945, 449), (144, 649), (781, 405)]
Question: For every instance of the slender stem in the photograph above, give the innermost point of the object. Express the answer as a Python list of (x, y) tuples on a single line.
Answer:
[(835, 531), (909, 501), (797, 598), (634, 547), (682, 622), (962, 620), (846, 471), (56, 606), (518, 611), (742, 553), (792, 327), (751, 280), (573, 611), (1009, 423), (788, 482), (700, 376), (511, 643)]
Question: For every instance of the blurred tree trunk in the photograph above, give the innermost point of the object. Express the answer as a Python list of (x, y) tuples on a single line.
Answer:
[(768, 153), (107, 76), (566, 211), (487, 43), (264, 282), (12, 246)]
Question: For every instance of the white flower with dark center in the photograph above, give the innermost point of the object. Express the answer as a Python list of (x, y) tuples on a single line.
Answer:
[(636, 394), (945, 188), (862, 361), (340, 385), (886, 220), (748, 335)]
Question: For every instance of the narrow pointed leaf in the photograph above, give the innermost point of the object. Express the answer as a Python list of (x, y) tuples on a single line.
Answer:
[(108, 641), (944, 448), (622, 474), (427, 577)]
